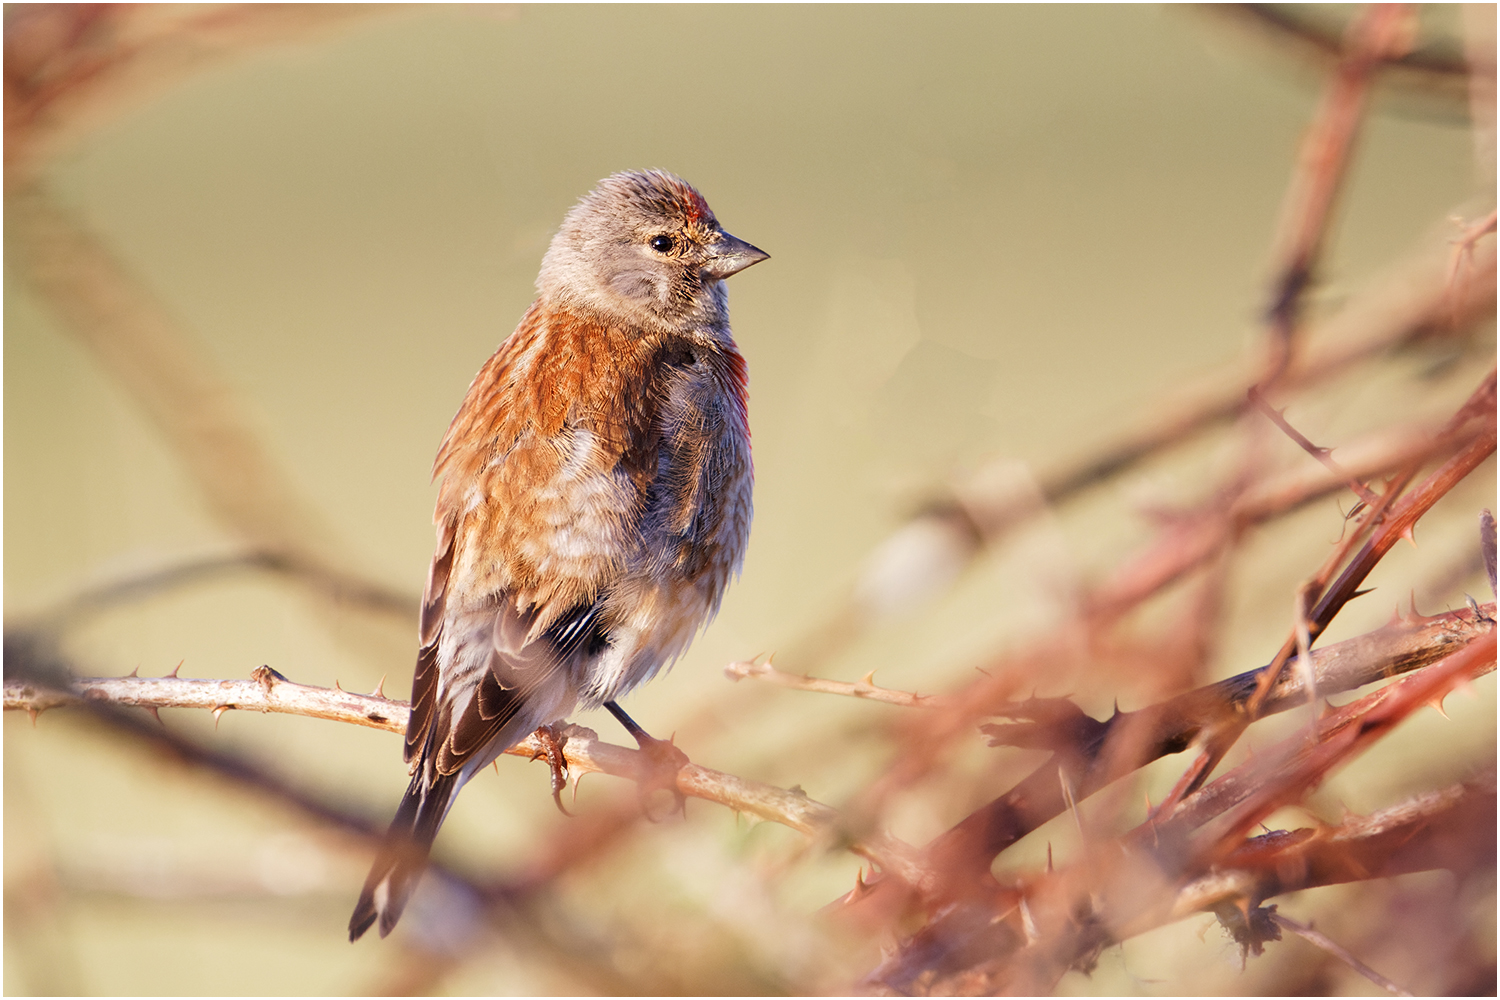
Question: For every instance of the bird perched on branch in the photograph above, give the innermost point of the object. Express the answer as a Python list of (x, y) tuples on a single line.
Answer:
[(595, 501)]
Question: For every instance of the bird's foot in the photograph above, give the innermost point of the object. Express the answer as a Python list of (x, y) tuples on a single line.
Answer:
[(660, 763), (552, 741)]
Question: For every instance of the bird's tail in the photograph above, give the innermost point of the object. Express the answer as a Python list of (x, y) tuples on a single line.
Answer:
[(403, 856)]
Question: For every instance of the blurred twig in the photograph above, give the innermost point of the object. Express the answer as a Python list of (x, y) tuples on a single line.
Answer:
[(1380, 33), (1022, 940), (1435, 69), (142, 346), (1435, 829), (1098, 753), (137, 586), (70, 67), (1309, 933), (1415, 299), (865, 688)]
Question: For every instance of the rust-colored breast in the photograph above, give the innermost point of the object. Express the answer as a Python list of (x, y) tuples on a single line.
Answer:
[(546, 465)]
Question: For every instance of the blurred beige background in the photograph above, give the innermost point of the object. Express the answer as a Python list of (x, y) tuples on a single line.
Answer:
[(995, 231)]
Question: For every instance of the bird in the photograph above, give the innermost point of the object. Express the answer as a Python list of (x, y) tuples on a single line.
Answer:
[(595, 503)]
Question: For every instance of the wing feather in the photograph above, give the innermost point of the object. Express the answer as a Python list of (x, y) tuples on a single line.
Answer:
[(424, 682), (518, 670)]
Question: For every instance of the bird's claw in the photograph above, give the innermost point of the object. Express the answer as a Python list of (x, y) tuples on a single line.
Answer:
[(552, 741), (660, 763)]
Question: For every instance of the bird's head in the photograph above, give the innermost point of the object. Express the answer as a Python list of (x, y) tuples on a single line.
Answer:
[(644, 248)]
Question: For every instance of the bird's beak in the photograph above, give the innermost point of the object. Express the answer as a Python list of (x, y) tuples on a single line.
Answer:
[(731, 255)]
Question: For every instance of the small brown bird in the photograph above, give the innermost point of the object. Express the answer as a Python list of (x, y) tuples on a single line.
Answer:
[(595, 500)]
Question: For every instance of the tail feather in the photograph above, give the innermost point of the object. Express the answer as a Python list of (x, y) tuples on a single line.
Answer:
[(403, 857)]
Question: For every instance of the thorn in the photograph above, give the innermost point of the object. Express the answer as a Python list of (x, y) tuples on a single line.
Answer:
[(218, 711), (1437, 703), (136, 672), (1410, 534), (33, 713), (1413, 598), (176, 668), (379, 691), (1049, 868), (155, 714), (336, 685), (868, 679), (496, 764)]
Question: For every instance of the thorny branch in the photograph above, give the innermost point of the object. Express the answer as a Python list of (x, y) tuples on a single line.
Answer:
[(1185, 544), (1096, 754), (1044, 928), (507, 902), (268, 691), (864, 688), (1402, 646), (1023, 939), (1435, 829), (1402, 520)]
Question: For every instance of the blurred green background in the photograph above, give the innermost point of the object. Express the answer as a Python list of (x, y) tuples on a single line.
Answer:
[(995, 231)]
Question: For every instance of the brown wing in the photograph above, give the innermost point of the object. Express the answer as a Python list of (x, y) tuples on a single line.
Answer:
[(534, 679), (424, 680), (517, 670)]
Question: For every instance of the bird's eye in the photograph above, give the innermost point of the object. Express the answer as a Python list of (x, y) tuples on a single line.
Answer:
[(662, 244)]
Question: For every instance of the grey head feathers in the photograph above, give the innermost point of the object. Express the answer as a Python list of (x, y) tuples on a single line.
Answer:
[(644, 249)]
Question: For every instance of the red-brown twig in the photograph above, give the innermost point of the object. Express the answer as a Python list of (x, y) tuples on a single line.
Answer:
[(1308, 933), (1479, 408), (1382, 32), (1098, 753), (1323, 455), (1022, 940)]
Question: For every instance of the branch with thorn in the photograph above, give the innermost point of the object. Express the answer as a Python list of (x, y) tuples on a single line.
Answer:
[(864, 688), (268, 691)]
